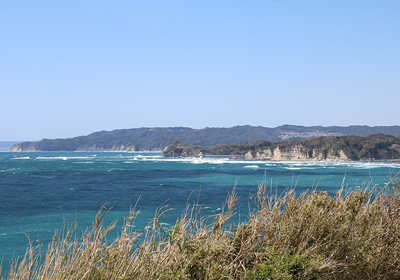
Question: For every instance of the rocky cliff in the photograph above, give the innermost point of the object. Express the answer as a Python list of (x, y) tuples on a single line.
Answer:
[(343, 148)]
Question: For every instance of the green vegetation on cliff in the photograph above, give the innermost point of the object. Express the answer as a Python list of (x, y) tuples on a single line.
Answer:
[(372, 147)]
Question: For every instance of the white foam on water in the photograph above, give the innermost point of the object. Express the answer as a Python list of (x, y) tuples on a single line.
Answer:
[(22, 158), (63, 158), (153, 156), (370, 165), (129, 158), (171, 159), (208, 161), (334, 164), (84, 162), (79, 157), (196, 160), (217, 161), (252, 166), (245, 161), (145, 156)]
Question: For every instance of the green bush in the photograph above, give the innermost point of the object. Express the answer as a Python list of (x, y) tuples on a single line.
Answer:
[(283, 266)]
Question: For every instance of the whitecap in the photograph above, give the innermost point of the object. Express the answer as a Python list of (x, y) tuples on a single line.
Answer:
[(146, 157), (63, 158), (216, 161), (79, 157), (152, 156), (50, 158), (370, 165), (252, 166)]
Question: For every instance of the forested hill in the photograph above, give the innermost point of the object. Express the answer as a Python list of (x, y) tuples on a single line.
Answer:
[(333, 148), (157, 139)]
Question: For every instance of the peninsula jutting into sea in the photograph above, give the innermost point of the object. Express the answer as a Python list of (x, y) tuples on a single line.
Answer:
[(157, 138), (328, 148)]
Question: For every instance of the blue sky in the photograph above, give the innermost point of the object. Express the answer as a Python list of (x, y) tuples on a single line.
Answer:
[(69, 68)]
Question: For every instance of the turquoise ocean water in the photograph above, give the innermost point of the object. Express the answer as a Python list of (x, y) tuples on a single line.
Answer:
[(40, 192)]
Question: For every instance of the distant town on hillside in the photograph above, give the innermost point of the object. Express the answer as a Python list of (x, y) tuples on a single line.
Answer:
[(158, 138)]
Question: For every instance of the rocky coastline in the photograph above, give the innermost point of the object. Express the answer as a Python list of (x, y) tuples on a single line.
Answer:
[(376, 147)]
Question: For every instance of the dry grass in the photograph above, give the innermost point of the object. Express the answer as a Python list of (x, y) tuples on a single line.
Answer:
[(312, 236)]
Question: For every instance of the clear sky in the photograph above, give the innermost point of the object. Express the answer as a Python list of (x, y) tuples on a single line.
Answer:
[(69, 68)]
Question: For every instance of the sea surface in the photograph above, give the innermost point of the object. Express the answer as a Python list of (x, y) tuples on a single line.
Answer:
[(43, 191)]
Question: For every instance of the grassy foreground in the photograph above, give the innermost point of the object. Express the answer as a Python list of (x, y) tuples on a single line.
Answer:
[(354, 235)]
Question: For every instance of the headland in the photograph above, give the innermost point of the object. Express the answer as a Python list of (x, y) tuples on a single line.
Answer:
[(375, 147)]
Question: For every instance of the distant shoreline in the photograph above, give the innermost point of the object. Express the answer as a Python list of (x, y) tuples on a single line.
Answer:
[(158, 138)]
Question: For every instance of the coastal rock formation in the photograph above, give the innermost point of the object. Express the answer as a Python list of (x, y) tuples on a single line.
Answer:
[(343, 148)]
